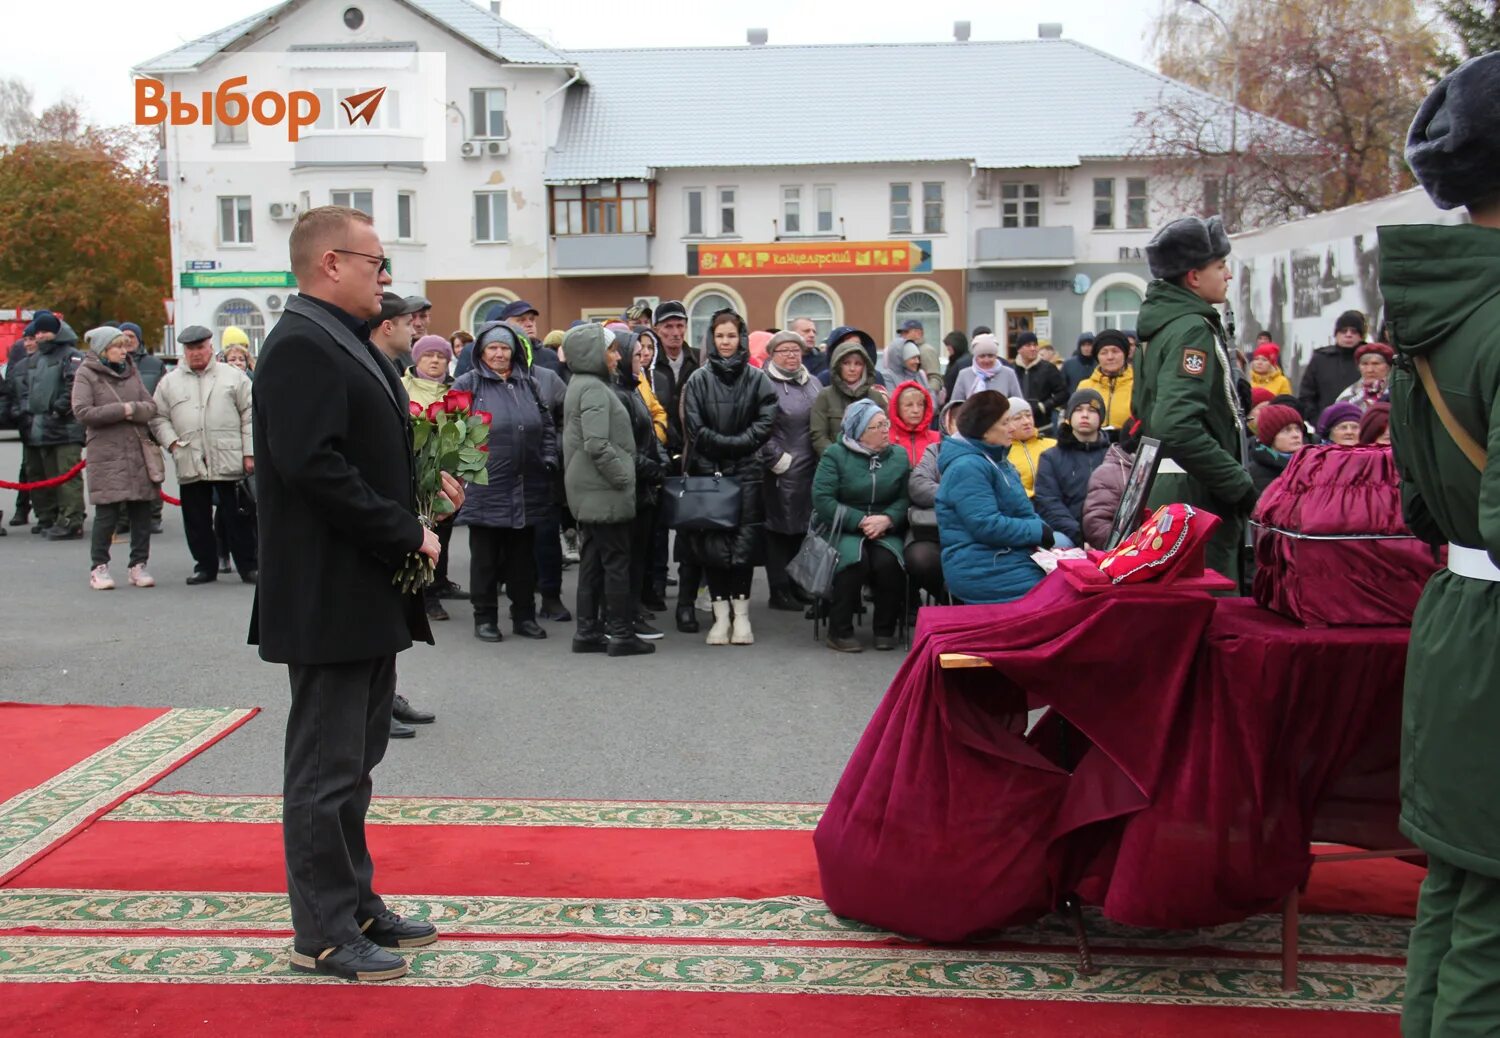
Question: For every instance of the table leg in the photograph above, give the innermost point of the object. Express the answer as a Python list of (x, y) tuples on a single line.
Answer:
[(1289, 925), (1081, 934)]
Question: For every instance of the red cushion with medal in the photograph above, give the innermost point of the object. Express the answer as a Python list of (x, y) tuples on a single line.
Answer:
[(1160, 547)]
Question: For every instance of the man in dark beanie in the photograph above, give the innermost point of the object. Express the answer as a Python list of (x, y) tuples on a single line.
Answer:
[(1441, 286), (1184, 393), (1332, 369)]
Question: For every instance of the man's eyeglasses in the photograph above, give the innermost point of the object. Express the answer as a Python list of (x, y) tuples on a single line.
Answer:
[(383, 261)]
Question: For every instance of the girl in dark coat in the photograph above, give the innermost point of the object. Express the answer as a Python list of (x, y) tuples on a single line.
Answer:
[(650, 468), (728, 411), (502, 516), (791, 460)]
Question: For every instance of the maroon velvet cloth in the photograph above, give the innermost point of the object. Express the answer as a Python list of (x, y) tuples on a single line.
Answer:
[(1212, 739), (948, 820), (1332, 491)]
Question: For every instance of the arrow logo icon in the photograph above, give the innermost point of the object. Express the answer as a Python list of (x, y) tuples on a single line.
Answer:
[(362, 105)]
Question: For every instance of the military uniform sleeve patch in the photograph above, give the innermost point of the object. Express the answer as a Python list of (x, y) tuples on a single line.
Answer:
[(1194, 363)]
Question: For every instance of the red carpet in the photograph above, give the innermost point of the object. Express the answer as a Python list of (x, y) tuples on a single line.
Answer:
[(37, 741)]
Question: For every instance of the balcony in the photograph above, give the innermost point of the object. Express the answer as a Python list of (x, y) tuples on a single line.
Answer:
[(1024, 247), (595, 255)]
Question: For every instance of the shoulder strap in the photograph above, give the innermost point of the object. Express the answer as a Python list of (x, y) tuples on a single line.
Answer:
[(1466, 443)]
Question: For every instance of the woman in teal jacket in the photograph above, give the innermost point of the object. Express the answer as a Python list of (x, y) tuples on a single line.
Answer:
[(865, 474), (986, 522)]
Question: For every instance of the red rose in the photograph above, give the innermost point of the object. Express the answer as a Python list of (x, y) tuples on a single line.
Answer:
[(458, 400), (415, 409), (483, 448), (484, 416), (434, 411)]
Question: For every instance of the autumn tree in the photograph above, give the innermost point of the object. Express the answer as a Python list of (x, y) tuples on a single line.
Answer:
[(1345, 75), (83, 221)]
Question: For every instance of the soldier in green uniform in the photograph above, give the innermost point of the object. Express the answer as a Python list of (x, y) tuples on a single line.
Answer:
[(1442, 302), (1184, 392)]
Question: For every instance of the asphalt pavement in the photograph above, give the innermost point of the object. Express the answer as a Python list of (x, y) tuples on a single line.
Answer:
[(775, 721)]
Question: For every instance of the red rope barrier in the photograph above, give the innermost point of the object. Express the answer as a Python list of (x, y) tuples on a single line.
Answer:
[(57, 481)]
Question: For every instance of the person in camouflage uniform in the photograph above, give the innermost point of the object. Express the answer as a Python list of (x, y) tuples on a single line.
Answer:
[(1441, 286), (1184, 392)]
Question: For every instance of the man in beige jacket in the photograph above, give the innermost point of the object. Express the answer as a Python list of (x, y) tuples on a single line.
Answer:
[(203, 419)]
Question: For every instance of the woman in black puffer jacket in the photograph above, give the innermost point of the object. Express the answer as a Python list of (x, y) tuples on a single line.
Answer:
[(650, 470), (728, 409)]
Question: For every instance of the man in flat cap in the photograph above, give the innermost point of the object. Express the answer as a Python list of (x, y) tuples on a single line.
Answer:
[(1441, 286), (421, 315), (394, 329), (1184, 392)]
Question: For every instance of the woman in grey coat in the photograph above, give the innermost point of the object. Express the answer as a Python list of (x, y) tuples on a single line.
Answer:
[(790, 462), (923, 554)]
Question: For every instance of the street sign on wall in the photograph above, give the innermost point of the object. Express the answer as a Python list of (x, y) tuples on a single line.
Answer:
[(237, 279)]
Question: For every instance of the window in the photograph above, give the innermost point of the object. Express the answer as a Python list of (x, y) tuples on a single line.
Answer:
[(405, 206), (1020, 205), (1211, 195), (487, 113), (825, 210), (608, 207), (726, 211), (694, 196), (698, 314), (1136, 210), (241, 313), (791, 210), (923, 306), (1104, 203), (488, 309), (234, 220), (226, 134), (490, 216), (364, 201), (814, 306), (932, 207), (900, 208), (1117, 307)]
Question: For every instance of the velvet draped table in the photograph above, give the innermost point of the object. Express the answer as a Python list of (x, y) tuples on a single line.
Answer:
[(1192, 749)]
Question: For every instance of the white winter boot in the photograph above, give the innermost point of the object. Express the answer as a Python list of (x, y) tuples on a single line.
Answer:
[(741, 635), (718, 634)]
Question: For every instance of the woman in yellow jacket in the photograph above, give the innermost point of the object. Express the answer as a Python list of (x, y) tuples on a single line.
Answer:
[(1026, 445), (642, 357), (1112, 377), (1265, 370)]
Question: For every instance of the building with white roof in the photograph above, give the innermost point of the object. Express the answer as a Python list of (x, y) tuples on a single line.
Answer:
[(958, 183)]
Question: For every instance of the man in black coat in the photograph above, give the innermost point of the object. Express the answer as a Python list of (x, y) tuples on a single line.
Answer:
[(1041, 383), (1332, 369), (336, 495)]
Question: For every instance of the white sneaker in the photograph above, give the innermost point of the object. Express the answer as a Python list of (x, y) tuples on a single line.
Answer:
[(100, 580), (570, 546), (139, 577)]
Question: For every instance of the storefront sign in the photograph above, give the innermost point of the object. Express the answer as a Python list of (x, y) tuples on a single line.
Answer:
[(238, 279), (839, 257), (1021, 286)]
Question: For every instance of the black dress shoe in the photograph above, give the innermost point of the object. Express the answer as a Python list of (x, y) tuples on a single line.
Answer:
[(359, 959), (402, 731), (784, 601), (488, 632), (527, 629), (402, 710), (200, 577), (590, 643), (435, 610), (847, 643), (250, 576), (554, 610), (19, 519), (448, 589), (687, 619), (40, 528), (389, 930)]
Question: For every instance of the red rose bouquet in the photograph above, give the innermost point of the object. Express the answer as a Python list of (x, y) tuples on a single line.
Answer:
[(447, 437)]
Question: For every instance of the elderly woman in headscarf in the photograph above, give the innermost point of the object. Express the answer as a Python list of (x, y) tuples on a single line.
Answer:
[(867, 476), (791, 459), (125, 470), (1374, 385), (986, 372)]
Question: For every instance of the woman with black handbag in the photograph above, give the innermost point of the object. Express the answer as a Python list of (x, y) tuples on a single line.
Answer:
[(729, 408)]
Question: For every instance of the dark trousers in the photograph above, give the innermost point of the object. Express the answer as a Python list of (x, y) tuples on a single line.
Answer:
[(924, 562), (107, 518), (781, 549), (887, 580), (61, 505), (336, 733), (642, 538), (604, 588), (733, 582), (549, 560), (661, 553), (23, 497), (198, 503), (502, 554)]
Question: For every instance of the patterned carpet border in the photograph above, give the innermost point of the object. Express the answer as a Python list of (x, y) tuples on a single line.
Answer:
[(36, 818), (194, 807), (715, 919), (898, 972)]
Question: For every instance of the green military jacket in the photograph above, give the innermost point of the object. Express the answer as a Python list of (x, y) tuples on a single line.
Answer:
[(1442, 300)]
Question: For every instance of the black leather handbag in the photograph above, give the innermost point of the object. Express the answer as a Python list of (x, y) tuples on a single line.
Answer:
[(701, 502)]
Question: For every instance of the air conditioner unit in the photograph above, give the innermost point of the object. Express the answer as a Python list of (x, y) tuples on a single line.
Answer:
[(283, 210), (652, 301), (273, 303), (469, 150), (495, 149)]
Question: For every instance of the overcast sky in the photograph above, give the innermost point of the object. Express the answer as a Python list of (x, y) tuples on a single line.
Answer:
[(87, 47)]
